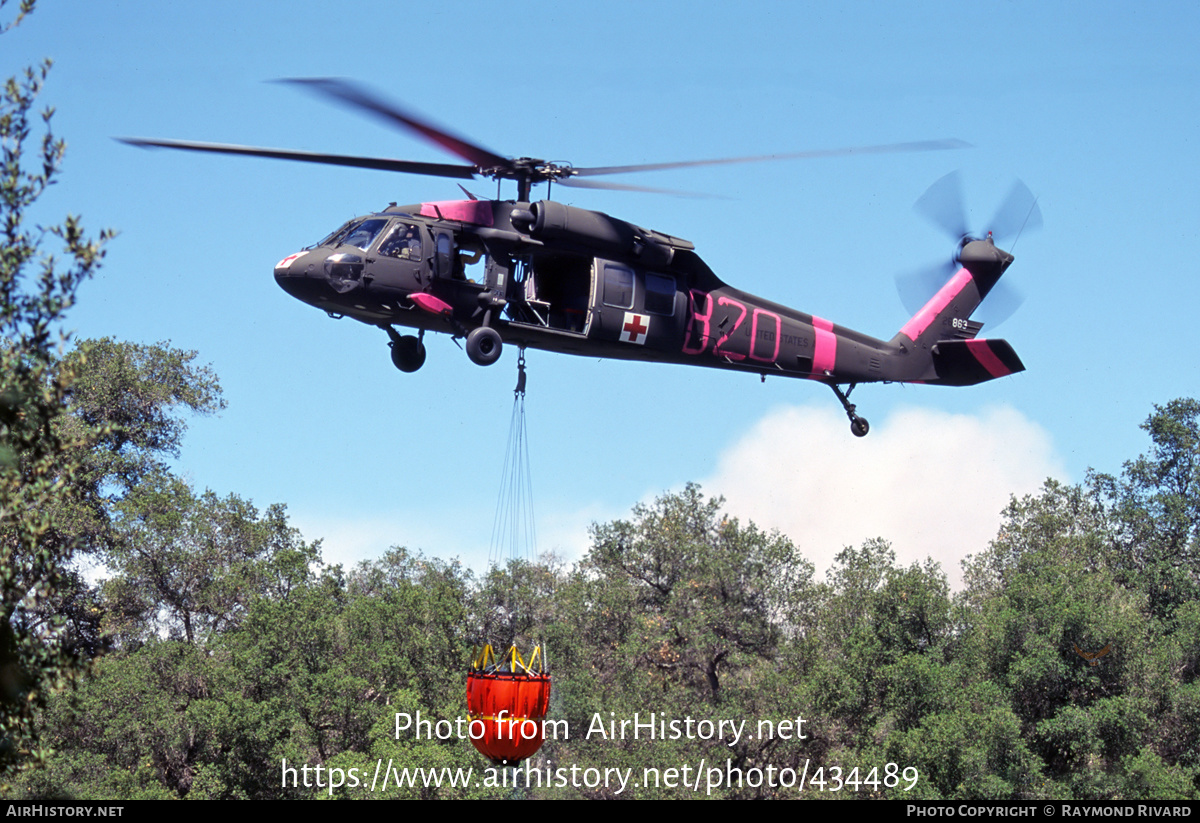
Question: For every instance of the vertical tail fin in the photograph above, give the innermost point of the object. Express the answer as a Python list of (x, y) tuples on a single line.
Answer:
[(944, 333), (948, 313)]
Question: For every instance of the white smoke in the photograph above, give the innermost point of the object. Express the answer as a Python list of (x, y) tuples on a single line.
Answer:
[(931, 483)]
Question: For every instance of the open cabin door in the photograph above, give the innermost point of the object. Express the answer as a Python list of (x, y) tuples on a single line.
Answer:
[(553, 293)]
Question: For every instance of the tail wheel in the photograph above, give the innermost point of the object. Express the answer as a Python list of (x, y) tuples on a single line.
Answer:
[(408, 353), (858, 425), (484, 346)]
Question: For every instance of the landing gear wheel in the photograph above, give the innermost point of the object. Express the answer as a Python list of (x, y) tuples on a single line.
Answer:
[(408, 353), (484, 346), (858, 425)]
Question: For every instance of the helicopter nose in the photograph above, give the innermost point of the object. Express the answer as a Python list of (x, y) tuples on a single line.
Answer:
[(291, 284), (297, 276), (290, 267)]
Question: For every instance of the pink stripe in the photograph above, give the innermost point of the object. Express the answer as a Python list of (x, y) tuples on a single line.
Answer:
[(920, 321), (983, 353), (825, 345), (478, 212), (431, 304)]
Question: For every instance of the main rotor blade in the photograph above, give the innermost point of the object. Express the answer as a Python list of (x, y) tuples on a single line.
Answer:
[(942, 204), (1019, 212), (596, 184), (378, 163), (358, 97), (890, 148)]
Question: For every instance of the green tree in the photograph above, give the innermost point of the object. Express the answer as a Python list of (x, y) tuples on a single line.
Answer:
[(191, 564), (683, 611), (135, 397), (1047, 588), (38, 459), (142, 726), (1155, 505), (124, 418), (869, 615), (709, 593), (515, 604)]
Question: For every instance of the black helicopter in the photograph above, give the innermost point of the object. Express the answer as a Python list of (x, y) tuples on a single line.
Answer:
[(550, 276)]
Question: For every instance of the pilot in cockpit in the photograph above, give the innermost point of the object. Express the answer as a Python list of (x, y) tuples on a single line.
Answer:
[(404, 243)]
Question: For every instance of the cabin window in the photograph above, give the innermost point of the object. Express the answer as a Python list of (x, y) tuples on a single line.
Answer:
[(445, 247), (469, 263), (618, 287), (660, 293)]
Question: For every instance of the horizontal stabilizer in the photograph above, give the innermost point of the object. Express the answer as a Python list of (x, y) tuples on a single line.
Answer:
[(967, 362)]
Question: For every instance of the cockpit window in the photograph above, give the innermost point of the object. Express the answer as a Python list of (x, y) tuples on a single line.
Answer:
[(362, 234), (331, 239), (403, 242)]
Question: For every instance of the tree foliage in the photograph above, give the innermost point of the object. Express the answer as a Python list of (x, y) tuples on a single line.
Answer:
[(709, 592), (137, 396), (235, 652), (39, 458), (188, 565), (1155, 508)]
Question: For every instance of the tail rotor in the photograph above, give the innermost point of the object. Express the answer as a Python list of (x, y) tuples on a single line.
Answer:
[(943, 205)]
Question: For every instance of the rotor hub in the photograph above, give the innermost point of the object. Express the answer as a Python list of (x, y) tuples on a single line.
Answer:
[(527, 171)]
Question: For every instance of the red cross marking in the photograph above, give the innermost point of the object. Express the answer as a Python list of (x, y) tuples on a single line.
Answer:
[(635, 328)]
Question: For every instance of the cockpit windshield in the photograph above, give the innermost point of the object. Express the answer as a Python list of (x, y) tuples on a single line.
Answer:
[(363, 233), (331, 239), (358, 233)]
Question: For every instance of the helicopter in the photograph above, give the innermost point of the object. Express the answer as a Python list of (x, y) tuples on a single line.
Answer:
[(550, 276)]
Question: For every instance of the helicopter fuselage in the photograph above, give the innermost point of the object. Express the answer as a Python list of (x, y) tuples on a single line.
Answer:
[(558, 278)]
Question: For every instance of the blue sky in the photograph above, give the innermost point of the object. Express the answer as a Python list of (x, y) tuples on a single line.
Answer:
[(1092, 105)]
